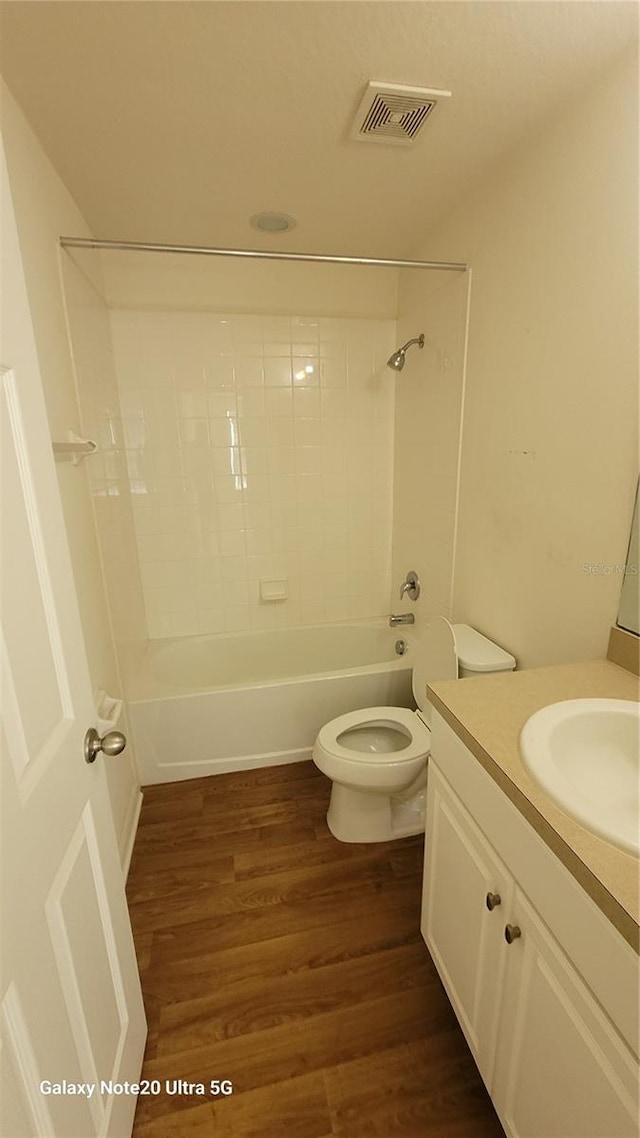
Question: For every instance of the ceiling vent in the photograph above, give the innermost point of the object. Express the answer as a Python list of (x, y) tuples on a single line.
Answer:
[(394, 114)]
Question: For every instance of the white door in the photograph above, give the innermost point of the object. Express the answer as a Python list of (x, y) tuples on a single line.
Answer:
[(71, 1009), (562, 1070)]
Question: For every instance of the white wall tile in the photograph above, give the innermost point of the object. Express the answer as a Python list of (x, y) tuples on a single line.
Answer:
[(233, 567), (185, 623), (248, 371), (280, 433), (282, 460), (334, 404), (219, 374), (210, 621), (253, 431), (232, 543), (308, 432), (279, 402), (192, 404), (305, 371), (333, 372), (277, 371), (237, 618), (306, 402), (221, 404)]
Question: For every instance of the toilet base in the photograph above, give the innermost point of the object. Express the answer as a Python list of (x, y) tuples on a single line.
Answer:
[(362, 816)]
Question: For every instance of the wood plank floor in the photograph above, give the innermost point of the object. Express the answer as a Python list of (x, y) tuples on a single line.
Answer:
[(291, 964)]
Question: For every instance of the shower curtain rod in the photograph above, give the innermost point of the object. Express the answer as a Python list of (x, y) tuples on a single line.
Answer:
[(261, 254)]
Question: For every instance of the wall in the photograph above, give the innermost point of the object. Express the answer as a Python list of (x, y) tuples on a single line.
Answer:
[(429, 399), (187, 283), (44, 210), (258, 447), (550, 440)]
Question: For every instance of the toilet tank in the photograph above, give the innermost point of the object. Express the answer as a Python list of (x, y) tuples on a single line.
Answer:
[(479, 656)]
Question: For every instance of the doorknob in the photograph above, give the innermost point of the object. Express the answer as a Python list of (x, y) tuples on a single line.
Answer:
[(110, 744)]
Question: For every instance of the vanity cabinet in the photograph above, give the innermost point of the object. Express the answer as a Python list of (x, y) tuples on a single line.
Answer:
[(554, 1059)]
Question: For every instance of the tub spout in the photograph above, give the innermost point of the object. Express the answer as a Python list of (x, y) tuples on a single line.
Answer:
[(401, 618)]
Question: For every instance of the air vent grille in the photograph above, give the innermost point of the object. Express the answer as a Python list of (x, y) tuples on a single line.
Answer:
[(394, 114), (396, 117)]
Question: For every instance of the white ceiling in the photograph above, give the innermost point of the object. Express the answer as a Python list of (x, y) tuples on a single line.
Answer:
[(176, 121)]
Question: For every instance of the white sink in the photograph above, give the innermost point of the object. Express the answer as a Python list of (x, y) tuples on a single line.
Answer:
[(585, 755)]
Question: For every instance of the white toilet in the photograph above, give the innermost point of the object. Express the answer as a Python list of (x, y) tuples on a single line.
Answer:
[(377, 756)]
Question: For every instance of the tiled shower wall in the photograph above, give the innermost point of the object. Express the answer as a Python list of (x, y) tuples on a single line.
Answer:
[(106, 471), (428, 414), (259, 448)]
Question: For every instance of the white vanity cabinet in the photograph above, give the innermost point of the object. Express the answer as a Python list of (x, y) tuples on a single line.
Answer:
[(554, 1037)]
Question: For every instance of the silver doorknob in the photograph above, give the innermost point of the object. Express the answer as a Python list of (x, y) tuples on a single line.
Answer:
[(113, 743)]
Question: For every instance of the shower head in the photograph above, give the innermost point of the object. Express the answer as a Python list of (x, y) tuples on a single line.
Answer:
[(396, 361)]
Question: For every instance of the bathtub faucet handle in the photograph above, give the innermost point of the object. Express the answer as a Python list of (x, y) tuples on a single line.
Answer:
[(410, 586)]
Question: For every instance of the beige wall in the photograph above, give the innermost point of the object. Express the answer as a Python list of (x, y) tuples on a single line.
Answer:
[(549, 445), (44, 210), (550, 442), (227, 284)]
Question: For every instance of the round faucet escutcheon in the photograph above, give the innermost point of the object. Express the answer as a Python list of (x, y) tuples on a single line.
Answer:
[(410, 587)]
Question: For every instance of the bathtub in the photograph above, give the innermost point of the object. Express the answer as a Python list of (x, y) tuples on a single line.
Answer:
[(207, 705)]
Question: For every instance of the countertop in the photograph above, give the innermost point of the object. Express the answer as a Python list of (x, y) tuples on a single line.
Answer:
[(488, 712)]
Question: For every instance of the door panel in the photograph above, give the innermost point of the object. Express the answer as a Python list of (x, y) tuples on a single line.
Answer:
[(71, 1006), (24, 1109), (562, 1071), (39, 713), (462, 934)]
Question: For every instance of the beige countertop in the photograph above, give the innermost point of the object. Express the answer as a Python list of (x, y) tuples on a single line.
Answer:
[(488, 713)]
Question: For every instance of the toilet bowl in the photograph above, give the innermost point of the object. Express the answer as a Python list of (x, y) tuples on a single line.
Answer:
[(377, 757)]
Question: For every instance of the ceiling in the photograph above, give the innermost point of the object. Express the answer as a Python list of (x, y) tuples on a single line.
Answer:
[(176, 121)]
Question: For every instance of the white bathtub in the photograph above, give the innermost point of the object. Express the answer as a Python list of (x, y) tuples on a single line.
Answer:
[(211, 704)]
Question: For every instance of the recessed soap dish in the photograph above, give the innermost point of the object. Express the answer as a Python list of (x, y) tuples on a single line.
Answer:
[(274, 590), (108, 710)]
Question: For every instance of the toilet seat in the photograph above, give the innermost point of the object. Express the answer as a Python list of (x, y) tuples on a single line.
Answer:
[(399, 719)]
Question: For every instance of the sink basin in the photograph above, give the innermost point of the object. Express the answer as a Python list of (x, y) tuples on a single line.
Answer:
[(585, 754)]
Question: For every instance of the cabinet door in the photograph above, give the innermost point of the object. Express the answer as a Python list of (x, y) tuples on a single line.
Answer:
[(561, 1069), (462, 934)]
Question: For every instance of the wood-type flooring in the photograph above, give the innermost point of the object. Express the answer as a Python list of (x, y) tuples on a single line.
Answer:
[(292, 965)]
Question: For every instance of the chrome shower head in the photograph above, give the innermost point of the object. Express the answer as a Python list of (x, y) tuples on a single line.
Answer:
[(396, 361)]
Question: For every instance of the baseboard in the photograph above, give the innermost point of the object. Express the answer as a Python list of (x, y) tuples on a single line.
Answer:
[(129, 831)]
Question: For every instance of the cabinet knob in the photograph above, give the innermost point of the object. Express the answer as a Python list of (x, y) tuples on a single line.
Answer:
[(493, 900), (511, 933)]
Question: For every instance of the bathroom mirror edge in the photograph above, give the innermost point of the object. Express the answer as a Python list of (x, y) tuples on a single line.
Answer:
[(628, 617)]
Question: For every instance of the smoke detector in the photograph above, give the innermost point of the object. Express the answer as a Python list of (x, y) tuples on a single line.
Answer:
[(394, 114)]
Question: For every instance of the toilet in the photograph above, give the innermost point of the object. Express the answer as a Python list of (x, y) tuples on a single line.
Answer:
[(377, 757)]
